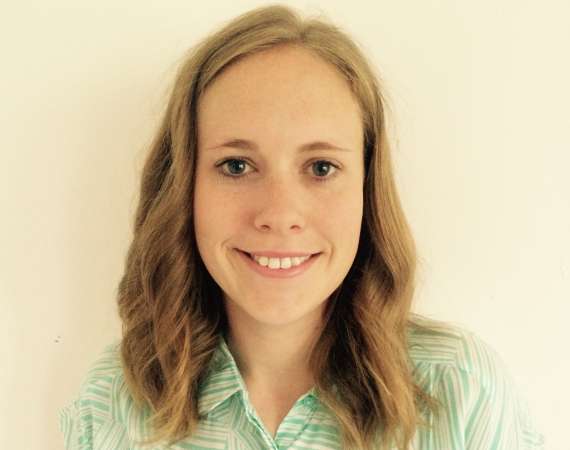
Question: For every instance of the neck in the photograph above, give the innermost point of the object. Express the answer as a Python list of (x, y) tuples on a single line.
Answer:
[(265, 352)]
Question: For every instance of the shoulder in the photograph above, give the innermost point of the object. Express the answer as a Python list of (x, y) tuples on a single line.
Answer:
[(102, 407), (107, 366), (104, 379), (476, 395), (449, 357), (448, 346)]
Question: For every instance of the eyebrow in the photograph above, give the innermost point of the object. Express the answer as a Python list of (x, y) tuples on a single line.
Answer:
[(239, 144), (322, 145), (243, 144)]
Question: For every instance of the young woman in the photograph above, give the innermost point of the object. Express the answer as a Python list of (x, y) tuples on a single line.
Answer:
[(267, 292)]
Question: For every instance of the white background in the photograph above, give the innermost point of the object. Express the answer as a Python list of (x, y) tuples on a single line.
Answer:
[(481, 98)]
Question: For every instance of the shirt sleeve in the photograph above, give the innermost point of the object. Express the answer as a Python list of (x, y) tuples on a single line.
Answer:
[(77, 431), (483, 409), (90, 411)]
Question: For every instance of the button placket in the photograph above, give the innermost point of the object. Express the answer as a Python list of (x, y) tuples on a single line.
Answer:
[(295, 421)]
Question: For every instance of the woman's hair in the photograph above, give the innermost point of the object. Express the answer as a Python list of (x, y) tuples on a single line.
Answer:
[(172, 310)]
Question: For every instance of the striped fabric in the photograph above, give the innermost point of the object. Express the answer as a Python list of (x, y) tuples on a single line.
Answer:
[(480, 407)]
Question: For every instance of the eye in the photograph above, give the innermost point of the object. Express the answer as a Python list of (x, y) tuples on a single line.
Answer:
[(323, 168), (234, 166)]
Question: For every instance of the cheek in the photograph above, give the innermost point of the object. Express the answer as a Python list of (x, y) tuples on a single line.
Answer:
[(206, 209), (216, 216), (340, 220)]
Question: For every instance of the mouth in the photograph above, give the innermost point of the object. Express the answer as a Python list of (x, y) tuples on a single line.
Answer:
[(279, 263)]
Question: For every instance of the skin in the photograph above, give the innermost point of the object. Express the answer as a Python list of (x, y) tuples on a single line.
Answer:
[(288, 124)]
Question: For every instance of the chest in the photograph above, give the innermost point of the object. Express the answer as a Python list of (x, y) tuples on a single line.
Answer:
[(240, 427)]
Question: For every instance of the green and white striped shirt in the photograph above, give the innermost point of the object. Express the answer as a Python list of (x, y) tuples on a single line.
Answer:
[(480, 406)]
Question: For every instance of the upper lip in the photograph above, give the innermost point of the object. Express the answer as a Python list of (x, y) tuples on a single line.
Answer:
[(272, 254)]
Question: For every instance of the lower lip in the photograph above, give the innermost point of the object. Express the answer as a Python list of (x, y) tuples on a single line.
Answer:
[(278, 273)]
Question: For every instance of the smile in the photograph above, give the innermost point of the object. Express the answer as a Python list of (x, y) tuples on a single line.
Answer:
[(279, 263)]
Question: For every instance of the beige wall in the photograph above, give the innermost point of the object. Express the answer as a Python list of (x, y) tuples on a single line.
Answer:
[(481, 97)]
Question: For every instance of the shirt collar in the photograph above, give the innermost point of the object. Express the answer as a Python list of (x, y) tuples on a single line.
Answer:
[(222, 381)]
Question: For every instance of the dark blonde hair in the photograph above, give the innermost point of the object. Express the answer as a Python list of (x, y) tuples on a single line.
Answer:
[(172, 310)]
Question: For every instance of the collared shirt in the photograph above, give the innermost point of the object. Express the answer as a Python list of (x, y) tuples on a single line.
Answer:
[(480, 408)]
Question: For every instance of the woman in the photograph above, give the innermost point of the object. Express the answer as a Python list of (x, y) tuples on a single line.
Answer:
[(267, 293)]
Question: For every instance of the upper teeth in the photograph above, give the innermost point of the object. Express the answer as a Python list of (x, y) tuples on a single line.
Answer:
[(279, 263)]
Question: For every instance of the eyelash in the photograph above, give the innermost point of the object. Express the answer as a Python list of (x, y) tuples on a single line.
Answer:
[(238, 177), (235, 177), (326, 179)]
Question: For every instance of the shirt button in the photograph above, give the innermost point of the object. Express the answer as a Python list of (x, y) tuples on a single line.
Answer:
[(308, 402)]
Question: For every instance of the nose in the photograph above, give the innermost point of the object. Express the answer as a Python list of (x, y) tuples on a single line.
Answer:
[(279, 206)]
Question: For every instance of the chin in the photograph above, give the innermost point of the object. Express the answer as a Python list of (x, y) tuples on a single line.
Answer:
[(276, 311)]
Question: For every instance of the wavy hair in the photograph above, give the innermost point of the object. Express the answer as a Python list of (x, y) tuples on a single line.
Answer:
[(172, 310)]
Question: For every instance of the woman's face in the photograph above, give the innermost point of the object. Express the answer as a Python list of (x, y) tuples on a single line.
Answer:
[(279, 184)]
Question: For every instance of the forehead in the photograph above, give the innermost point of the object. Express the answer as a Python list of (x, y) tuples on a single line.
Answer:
[(282, 63), (278, 83)]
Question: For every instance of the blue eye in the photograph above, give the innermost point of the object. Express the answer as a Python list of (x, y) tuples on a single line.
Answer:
[(235, 166), (323, 168)]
